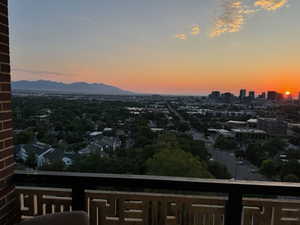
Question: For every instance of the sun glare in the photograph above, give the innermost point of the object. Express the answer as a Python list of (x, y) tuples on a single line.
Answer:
[(287, 93)]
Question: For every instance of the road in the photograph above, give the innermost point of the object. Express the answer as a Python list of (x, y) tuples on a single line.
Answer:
[(174, 111), (238, 172)]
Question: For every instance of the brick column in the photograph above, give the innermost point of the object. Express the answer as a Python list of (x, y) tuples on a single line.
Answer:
[(8, 206)]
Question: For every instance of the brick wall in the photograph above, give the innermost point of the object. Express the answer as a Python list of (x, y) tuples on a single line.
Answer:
[(7, 197)]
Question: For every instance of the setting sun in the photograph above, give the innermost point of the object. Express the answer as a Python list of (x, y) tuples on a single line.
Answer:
[(287, 93)]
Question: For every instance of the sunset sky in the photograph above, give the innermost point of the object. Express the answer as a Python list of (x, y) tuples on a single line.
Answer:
[(159, 46)]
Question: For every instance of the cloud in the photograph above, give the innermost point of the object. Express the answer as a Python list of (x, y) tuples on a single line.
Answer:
[(181, 36), (232, 18), (270, 5), (195, 30), (41, 72), (234, 13)]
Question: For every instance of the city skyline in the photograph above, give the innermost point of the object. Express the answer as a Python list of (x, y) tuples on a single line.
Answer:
[(251, 94), (159, 47)]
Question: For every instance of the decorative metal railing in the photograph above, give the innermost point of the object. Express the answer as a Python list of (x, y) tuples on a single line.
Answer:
[(136, 207)]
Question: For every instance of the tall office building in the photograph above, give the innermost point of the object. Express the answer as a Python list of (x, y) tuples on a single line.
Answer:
[(215, 95), (272, 95), (243, 93), (279, 97), (7, 190), (228, 97), (299, 97), (263, 95), (252, 95)]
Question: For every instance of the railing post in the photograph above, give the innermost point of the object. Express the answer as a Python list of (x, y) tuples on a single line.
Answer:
[(234, 208), (78, 198)]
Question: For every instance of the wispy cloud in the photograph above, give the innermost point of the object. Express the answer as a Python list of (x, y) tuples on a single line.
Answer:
[(232, 18), (40, 72), (271, 4), (234, 13), (195, 30), (181, 36)]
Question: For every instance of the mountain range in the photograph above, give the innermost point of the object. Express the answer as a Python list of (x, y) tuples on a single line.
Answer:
[(78, 87)]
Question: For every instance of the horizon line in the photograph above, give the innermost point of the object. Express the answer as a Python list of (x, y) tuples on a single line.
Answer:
[(293, 94)]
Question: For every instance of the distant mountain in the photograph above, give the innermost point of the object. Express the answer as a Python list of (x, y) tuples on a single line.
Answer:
[(78, 88)]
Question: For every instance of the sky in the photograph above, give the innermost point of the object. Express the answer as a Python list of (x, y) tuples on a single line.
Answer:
[(159, 46)]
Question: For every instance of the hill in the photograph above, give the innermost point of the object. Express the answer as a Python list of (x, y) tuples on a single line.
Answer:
[(78, 87)]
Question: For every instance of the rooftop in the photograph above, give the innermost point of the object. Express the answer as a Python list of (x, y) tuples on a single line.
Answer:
[(252, 121), (237, 122), (249, 131)]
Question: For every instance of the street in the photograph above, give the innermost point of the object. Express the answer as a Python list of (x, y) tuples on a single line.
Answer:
[(238, 171)]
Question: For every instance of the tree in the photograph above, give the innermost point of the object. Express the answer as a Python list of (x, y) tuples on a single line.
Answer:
[(269, 168), (295, 140), (254, 153), (196, 148), (291, 167), (183, 127), (296, 130), (57, 165), (176, 162), (291, 178), (96, 163), (24, 137), (142, 134), (274, 146), (239, 154), (218, 170), (293, 154), (31, 160), (225, 143)]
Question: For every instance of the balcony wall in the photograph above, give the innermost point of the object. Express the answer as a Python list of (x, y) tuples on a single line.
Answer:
[(138, 207), (107, 207)]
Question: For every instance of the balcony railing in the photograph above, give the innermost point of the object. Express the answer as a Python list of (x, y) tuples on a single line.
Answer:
[(49, 192)]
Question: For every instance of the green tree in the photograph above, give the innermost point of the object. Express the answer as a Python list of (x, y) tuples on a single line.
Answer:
[(183, 127), (96, 163), (293, 154), (142, 134), (225, 143), (24, 137), (296, 130), (197, 148), (295, 140), (291, 167), (218, 170), (254, 153), (176, 162), (57, 165), (269, 168), (291, 178), (31, 160), (274, 146), (239, 154)]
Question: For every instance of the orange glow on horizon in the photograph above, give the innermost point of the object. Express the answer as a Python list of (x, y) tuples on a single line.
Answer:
[(287, 93)]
